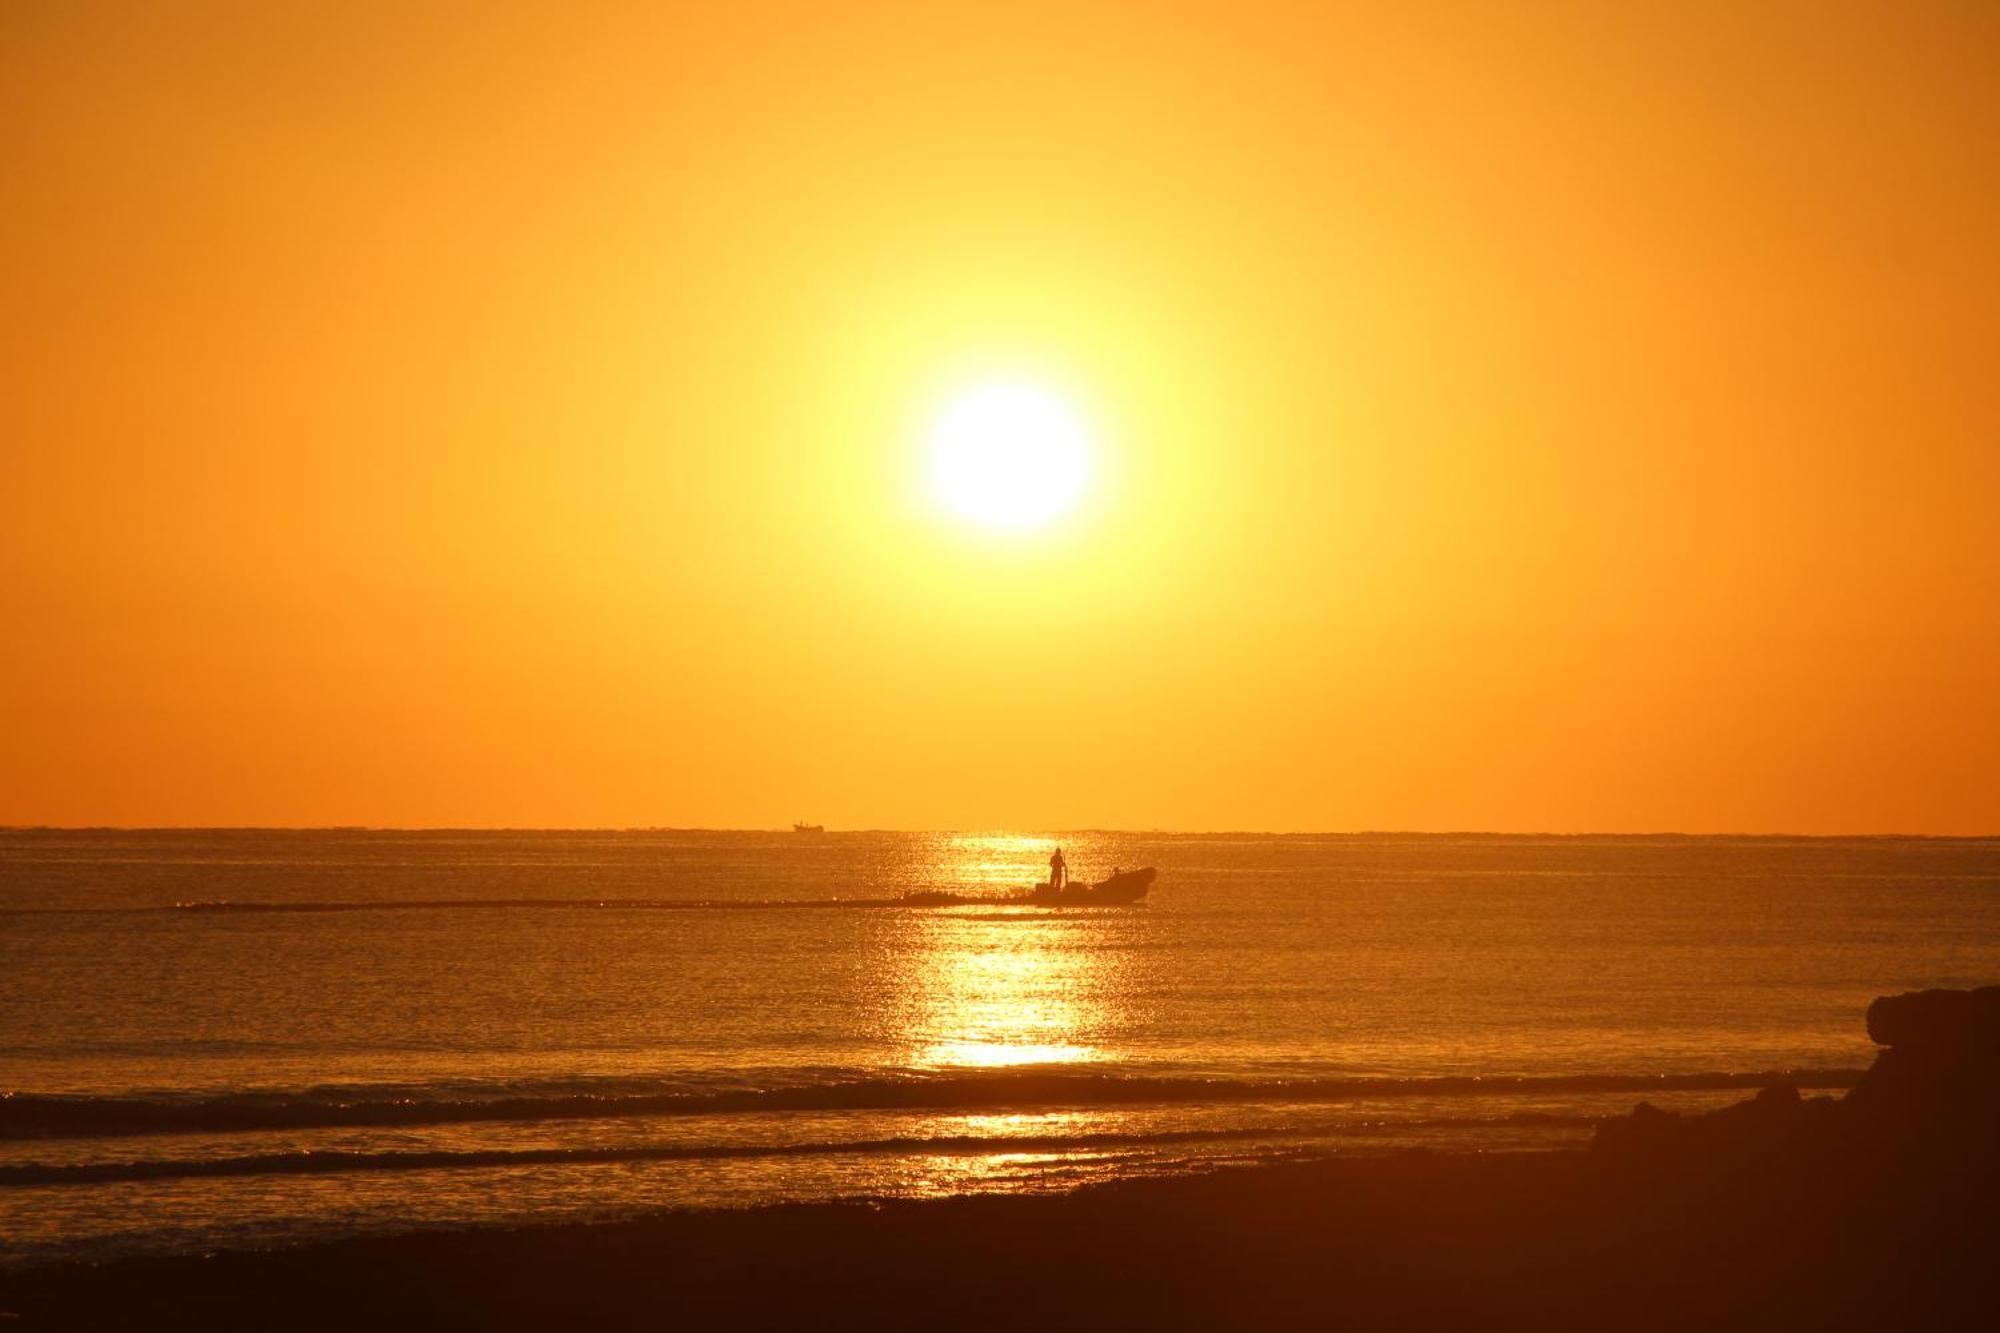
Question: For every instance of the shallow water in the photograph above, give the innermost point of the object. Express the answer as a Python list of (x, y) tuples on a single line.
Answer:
[(256, 1037)]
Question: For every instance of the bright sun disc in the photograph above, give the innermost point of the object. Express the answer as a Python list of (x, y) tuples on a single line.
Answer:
[(1008, 456)]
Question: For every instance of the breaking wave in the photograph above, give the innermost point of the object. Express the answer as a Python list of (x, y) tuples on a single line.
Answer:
[(26, 1115), (321, 1162)]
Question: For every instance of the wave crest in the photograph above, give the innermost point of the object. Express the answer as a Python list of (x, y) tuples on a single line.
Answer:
[(35, 1115)]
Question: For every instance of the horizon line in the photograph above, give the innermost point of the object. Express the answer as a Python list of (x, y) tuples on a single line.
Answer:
[(968, 831)]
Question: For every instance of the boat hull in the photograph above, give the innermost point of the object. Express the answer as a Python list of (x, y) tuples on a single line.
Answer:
[(1126, 887)]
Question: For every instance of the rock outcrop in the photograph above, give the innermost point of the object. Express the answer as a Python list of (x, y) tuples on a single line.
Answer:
[(1939, 1078), (1930, 1100)]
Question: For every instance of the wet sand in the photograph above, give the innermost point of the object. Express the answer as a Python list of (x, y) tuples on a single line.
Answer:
[(1415, 1241)]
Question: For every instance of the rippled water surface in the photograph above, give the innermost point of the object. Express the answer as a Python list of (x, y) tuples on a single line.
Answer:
[(256, 1037)]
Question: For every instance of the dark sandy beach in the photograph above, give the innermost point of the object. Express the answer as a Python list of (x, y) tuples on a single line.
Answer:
[(1415, 1241)]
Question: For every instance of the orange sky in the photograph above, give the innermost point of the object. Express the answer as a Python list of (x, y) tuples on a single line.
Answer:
[(1521, 417)]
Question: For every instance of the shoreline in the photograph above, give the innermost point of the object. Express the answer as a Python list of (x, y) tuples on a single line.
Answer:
[(1417, 1239)]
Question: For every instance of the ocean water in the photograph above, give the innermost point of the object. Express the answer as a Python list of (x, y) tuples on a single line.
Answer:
[(225, 1039)]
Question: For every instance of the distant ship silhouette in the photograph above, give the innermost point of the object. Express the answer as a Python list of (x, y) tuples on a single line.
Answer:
[(808, 828)]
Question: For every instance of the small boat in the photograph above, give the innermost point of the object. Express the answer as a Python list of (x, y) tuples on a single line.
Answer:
[(1123, 888), (1127, 886), (808, 828)]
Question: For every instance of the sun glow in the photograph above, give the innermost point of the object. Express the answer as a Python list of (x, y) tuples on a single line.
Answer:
[(1008, 456)]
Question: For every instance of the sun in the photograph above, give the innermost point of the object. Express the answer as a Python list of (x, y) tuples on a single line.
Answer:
[(1008, 456)]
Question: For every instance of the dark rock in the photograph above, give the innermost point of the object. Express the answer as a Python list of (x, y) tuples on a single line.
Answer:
[(1935, 1093), (1960, 1021), (1929, 1103), (1647, 1131), (1776, 1126)]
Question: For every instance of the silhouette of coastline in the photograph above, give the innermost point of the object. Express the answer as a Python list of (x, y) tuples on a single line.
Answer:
[(1873, 1210), (1928, 1107)]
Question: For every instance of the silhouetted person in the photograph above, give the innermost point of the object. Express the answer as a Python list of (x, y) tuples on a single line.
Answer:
[(1058, 870)]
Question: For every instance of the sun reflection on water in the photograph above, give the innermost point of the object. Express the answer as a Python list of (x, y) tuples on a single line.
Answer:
[(944, 1175), (990, 862), (1006, 988), (992, 994)]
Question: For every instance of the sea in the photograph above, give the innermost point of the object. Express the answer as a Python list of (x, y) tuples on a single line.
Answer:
[(216, 1040)]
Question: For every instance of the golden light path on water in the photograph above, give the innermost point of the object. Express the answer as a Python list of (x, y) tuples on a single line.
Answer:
[(1005, 986), (998, 988)]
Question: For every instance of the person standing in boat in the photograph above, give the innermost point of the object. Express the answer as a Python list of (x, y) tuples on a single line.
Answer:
[(1058, 870)]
